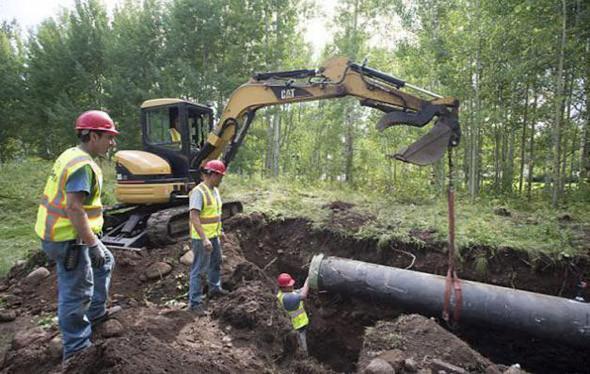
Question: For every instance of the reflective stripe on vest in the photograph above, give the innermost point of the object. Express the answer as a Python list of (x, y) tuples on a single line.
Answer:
[(210, 214), (298, 316), (53, 223)]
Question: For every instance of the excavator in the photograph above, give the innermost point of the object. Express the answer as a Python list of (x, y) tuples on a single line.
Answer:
[(178, 137)]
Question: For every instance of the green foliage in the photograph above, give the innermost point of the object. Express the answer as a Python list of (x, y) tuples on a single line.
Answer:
[(22, 184)]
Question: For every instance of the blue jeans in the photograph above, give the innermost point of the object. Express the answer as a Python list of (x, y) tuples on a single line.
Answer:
[(204, 263), (82, 294)]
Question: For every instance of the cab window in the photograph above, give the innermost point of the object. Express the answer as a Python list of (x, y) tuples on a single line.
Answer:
[(162, 126)]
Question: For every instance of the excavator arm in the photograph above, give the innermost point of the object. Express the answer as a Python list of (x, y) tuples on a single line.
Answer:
[(338, 78)]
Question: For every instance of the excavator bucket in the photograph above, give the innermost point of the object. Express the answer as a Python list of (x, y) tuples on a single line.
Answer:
[(432, 146)]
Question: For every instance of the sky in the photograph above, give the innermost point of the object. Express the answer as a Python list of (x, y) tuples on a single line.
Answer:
[(30, 13)]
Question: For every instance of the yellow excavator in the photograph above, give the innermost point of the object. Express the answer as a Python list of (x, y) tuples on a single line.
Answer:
[(178, 137)]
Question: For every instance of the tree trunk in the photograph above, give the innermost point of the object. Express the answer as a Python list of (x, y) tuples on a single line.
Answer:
[(349, 144), (276, 143), (585, 141), (523, 138), (532, 147), (556, 174)]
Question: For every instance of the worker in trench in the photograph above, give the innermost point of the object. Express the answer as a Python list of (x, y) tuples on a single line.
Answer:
[(69, 222), (206, 231), (291, 300)]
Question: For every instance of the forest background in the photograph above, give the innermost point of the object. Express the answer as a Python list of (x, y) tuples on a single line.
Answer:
[(521, 70)]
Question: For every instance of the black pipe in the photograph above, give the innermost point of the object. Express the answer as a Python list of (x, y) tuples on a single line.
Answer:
[(545, 316)]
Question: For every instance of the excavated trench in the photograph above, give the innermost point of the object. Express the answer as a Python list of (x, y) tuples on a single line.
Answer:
[(338, 322), (247, 332)]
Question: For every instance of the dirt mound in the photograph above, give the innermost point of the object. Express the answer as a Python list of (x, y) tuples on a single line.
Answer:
[(423, 341), (343, 217)]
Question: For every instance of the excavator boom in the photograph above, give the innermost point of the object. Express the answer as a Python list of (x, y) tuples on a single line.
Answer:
[(338, 78)]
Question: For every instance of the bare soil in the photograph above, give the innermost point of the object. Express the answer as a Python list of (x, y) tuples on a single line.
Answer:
[(246, 331)]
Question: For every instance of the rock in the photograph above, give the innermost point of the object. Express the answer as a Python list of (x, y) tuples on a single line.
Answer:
[(3, 287), (7, 315), (514, 369), (36, 276), (565, 217), (158, 270), (13, 300), (111, 328), (17, 291), (55, 347), (439, 365), (424, 371), (394, 357), (493, 369), (126, 262), (502, 211), (142, 277), (379, 366), (27, 337), (187, 258), (410, 365)]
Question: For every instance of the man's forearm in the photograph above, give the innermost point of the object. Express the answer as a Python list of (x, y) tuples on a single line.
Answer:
[(79, 220)]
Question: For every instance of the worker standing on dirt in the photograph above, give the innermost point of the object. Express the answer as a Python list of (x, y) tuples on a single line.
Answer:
[(291, 301), (68, 222), (206, 231)]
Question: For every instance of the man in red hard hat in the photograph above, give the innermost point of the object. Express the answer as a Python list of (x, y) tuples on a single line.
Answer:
[(206, 231), (68, 222), (291, 301)]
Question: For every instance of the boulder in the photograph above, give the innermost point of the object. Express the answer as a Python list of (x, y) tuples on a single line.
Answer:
[(111, 328), (7, 315), (187, 258), (379, 366), (36, 276), (158, 270), (27, 337)]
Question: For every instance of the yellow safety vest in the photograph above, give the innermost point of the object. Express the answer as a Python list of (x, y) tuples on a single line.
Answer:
[(53, 223), (210, 215), (175, 135), (298, 316)]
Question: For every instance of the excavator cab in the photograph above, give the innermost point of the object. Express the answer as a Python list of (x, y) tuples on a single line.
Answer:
[(153, 183), (173, 131)]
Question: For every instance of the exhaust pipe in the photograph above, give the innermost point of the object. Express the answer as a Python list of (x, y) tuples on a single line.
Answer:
[(537, 314)]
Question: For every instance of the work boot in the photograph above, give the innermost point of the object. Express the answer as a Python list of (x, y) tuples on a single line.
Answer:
[(198, 310), (107, 315), (216, 292)]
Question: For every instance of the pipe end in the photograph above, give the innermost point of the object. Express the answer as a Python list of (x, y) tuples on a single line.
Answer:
[(314, 271)]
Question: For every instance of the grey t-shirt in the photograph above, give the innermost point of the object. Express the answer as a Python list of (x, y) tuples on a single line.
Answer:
[(196, 200)]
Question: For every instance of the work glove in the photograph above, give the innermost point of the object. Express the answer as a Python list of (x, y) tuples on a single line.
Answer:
[(97, 254)]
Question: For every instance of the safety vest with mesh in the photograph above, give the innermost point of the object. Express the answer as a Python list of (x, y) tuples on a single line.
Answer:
[(175, 135), (53, 223), (210, 214), (298, 316)]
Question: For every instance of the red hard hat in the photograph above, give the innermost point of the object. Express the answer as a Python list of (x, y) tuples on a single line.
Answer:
[(285, 280), (96, 120), (215, 166)]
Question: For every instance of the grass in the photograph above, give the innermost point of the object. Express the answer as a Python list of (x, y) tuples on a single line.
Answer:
[(532, 227), (21, 186)]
